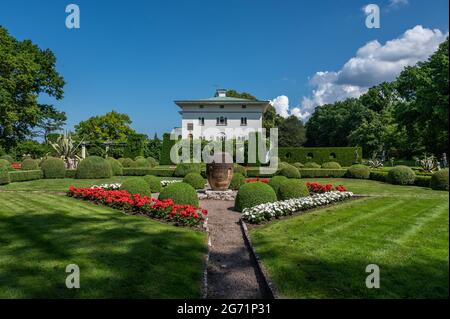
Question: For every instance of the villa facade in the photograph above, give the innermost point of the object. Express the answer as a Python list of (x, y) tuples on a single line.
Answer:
[(220, 117)]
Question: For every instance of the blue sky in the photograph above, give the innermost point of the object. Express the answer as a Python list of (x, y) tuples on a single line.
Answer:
[(139, 56)]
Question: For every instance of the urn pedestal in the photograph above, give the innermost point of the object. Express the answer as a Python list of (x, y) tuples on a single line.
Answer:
[(219, 171)]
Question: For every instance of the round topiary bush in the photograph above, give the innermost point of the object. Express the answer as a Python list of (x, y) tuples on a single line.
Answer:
[(298, 165), (128, 162), (276, 181), (180, 193), (292, 188), (439, 180), (5, 165), (358, 171), (282, 165), (29, 164), (195, 180), (239, 169), (4, 176), (290, 171), (152, 162), (252, 194), (93, 167), (141, 162), (154, 183), (136, 185), (183, 169), (9, 158), (331, 165), (311, 165), (237, 181), (53, 168), (121, 160), (139, 157), (401, 175), (117, 168)]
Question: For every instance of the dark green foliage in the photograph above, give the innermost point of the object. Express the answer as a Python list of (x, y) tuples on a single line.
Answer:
[(439, 180), (331, 165), (71, 173), (292, 188), (401, 175), (180, 193), (117, 168), (165, 151), (31, 148), (141, 162), (22, 176), (276, 181), (94, 167), (343, 155), (358, 171), (423, 181), (5, 165), (183, 169), (290, 172), (128, 162), (195, 180), (9, 158), (121, 160), (255, 172), (29, 164), (157, 171), (291, 132), (380, 176), (53, 167), (152, 162), (136, 185), (311, 165), (298, 165), (154, 183), (4, 177), (322, 172), (252, 194), (239, 169), (237, 181), (135, 145)]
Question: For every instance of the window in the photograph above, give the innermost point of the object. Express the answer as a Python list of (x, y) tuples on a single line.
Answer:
[(190, 126), (221, 121), (222, 106), (201, 121), (244, 106), (310, 156), (201, 106), (332, 156), (243, 121)]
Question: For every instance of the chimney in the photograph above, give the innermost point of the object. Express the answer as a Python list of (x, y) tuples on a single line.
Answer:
[(221, 93)]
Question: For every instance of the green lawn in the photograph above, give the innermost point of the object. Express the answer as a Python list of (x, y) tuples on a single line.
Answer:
[(119, 256), (323, 254)]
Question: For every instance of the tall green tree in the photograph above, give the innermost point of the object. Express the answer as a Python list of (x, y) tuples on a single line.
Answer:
[(291, 132), (241, 95), (26, 72), (50, 120)]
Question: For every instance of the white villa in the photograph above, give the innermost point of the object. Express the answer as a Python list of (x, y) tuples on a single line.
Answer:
[(220, 117)]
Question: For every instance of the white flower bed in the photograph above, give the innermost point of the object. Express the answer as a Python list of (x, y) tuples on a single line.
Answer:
[(113, 186), (265, 212), (166, 182)]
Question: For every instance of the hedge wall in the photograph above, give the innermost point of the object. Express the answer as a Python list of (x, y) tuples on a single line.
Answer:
[(22, 176), (161, 172), (321, 172), (343, 155), (71, 173), (165, 150)]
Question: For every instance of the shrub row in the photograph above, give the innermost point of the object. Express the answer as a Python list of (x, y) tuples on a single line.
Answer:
[(345, 156), (322, 173), (22, 176), (161, 172)]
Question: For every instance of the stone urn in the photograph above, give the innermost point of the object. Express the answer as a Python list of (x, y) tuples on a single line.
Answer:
[(219, 171)]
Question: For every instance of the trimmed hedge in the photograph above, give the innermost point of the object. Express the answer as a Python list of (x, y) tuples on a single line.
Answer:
[(153, 162), (292, 188), (128, 162), (311, 165), (8, 158), (276, 181), (154, 183), (180, 193), (254, 172), (183, 169), (29, 164), (53, 167), (343, 155), (298, 165), (252, 194), (237, 181), (4, 177), (94, 167), (22, 176), (423, 181), (322, 173), (165, 149), (141, 162), (117, 168), (331, 165), (380, 176), (161, 172), (358, 171), (5, 165), (136, 186), (239, 169), (195, 180), (290, 172), (401, 175), (439, 180), (71, 173)]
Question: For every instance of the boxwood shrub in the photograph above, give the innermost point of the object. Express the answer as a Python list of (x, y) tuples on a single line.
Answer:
[(136, 185), (180, 193), (151, 161), (331, 165), (311, 165), (239, 169), (343, 155), (183, 169), (252, 194), (276, 181), (423, 181), (195, 180), (71, 173), (322, 173), (157, 171), (380, 176), (116, 167), (358, 171), (128, 162), (141, 162), (5, 165), (401, 175), (237, 181), (8, 158), (439, 180), (4, 177), (29, 164), (298, 165), (94, 167), (23, 176), (53, 167), (292, 188), (154, 183), (290, 171)]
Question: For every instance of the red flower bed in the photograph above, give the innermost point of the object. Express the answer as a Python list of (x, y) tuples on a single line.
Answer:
[(254, 180), (166, 209), (320, 188), (16, 165)]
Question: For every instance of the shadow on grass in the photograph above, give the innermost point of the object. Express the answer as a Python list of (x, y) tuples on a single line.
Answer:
[(118, 258)]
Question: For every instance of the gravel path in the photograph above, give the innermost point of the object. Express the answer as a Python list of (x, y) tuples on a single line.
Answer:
[(231, 269)]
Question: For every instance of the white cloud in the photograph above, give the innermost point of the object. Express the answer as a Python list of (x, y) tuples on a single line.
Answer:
[(398, 3), (374, 63), (281, 105)]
